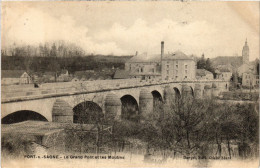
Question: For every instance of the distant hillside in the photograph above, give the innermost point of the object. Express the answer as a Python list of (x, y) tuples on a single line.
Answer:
[(115, 59), (234, 61), (72, 64)]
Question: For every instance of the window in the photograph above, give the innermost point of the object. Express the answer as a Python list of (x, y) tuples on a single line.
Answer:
[(176, 77), (185, 77), (153, 70), (167, 66), (176, 62), (186, 66), (186, 71), (176, 71), (176, 66), (142, 70), (167, 71)]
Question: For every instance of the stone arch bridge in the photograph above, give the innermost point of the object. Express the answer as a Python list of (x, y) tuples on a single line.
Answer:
[(111, 100)]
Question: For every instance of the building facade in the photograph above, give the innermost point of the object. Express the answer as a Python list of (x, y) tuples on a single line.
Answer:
[(144, 66), (224, 75), (176, 66), (250, 80)]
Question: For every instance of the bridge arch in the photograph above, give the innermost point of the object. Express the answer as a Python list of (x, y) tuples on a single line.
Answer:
[(157, 101), (157, 95), (177, 93), (87, 112), (22, 115), (129, 108)]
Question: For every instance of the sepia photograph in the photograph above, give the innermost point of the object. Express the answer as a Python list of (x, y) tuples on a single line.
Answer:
[(130, 84)]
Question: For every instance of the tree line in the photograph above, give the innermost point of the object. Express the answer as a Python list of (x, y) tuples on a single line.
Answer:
[(194, 127), (55, 49), (56, 64)]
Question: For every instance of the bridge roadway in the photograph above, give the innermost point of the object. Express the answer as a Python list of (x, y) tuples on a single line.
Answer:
[(106, 94)]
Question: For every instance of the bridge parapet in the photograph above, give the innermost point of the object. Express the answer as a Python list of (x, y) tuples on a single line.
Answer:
[(73, 88)]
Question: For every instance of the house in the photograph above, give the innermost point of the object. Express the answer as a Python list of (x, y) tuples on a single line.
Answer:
[(250, 79), (248, 70), (204, 74), (10, 77), (223, 74), (64, 76), (249, 75)]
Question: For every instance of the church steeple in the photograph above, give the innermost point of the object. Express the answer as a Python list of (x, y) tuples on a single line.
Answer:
[(245, 53)]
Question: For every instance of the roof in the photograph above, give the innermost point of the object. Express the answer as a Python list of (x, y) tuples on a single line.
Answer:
[(121, 74), (144, 73), (178, 55), (12, 73), (233, 61), (146, 58), (202, 72)]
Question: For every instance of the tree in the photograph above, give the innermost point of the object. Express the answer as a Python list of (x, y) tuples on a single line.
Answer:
[(53, 52), (181, 124), (202, 63)]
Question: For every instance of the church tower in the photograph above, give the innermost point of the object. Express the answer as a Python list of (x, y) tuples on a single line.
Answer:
[(245, 53)]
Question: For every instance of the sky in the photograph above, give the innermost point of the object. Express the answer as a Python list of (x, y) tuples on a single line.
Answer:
[(122, 28)]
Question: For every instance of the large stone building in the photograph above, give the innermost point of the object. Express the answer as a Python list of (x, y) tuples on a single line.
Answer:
[(144, 66), (176, 66), (248, 70)]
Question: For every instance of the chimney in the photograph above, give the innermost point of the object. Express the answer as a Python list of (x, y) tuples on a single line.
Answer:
[(162, 49), (136, 53), (162, 53)]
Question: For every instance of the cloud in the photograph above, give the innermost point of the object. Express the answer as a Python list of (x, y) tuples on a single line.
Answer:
[(34, 26), (146, 38), (194, 37)]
